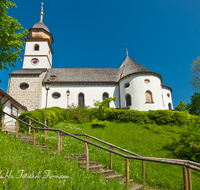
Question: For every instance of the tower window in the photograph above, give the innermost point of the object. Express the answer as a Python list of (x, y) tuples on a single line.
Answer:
[(148, 96), (128, 100), (105, 95), (36, 47), (24, 86), (81, 100), (168, 95)]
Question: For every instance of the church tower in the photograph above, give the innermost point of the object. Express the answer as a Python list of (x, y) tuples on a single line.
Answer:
[(26, 85), (38, 51)]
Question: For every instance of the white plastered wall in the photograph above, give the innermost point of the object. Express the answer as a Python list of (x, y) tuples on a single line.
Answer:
[(44, 55), (137, 91), (167, 98), (90, 93)]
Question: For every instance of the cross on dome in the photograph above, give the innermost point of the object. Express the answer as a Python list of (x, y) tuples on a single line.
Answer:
[(41, 13)]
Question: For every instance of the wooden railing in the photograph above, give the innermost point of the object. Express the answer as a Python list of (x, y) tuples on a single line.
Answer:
[(186, 165)]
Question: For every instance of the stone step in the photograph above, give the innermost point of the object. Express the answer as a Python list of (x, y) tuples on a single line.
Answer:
[(91, 163), (106, 172), (116, 176), (97, 168)]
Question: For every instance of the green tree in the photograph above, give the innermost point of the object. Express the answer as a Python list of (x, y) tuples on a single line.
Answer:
[(12, 36), (182, 106), (102, 105), (195, 81), (194, 107)]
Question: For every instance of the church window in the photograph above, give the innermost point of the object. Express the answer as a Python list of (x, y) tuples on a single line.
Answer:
[(148, 97), (126, 85), (14, 110), (168, 95), (170, 106), (147, 81), (105, 95), (128, 100), (56, 95), (36, 47), (24, 86), (81, 100)]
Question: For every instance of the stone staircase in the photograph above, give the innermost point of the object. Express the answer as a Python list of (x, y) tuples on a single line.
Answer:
[(102, 170), (94, 166)]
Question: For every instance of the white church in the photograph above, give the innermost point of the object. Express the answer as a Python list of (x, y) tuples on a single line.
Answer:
[(134, 86)]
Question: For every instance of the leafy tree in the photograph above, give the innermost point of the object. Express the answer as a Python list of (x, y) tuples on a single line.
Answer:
[(182, 106), (194, 107), (195, 81), (102, 105), (11, 36)]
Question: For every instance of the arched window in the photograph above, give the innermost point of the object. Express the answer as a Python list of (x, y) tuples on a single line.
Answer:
[(170, 106), (105, 95), (148, 97), (36, 47), (128, 100), (81, 100)]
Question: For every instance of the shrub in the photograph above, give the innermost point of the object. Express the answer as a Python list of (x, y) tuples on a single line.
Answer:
[(54, 116), (77, 114), (98, 123), (187, 146)]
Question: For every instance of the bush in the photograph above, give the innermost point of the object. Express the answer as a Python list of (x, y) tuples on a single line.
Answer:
[(187, 146), (77, 114), (54, 116)]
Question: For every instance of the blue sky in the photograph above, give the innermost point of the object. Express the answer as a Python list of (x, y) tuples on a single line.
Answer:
[(161, 35)]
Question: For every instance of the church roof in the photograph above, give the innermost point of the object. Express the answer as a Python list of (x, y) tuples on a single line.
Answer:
[(75, 75), (83, 75), (130, 66), (41, 25), (28, 71)]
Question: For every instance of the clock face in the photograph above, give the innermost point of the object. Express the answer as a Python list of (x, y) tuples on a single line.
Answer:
[(34, 61)]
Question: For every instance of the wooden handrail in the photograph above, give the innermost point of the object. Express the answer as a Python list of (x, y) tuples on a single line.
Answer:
[(124, 150), (37, 121), (184, 163)]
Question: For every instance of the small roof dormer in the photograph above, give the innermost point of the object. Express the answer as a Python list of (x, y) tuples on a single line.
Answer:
[(40, 30)]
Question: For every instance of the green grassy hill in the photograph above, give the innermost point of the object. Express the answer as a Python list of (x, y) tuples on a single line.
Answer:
[(24, 167), (146, 140)]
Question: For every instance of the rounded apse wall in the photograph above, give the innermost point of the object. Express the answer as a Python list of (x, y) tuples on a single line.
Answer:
[(145, 92)]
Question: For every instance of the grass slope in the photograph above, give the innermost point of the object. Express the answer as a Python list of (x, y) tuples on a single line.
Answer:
[(24, 167), (136, 138)]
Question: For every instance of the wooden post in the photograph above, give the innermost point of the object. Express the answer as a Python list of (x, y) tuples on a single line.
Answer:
[(3, 118), (143, 172), (85, 146), (58, 143), (127, 172), (34, 137), (111, 158), (17, 129), (189, 178), (45, 136), (61, 138), (185, 178), (87, 157), (29, 130)]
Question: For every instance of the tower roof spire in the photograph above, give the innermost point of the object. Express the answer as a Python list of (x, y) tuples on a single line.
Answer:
[(41, 13), (127, 52)]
